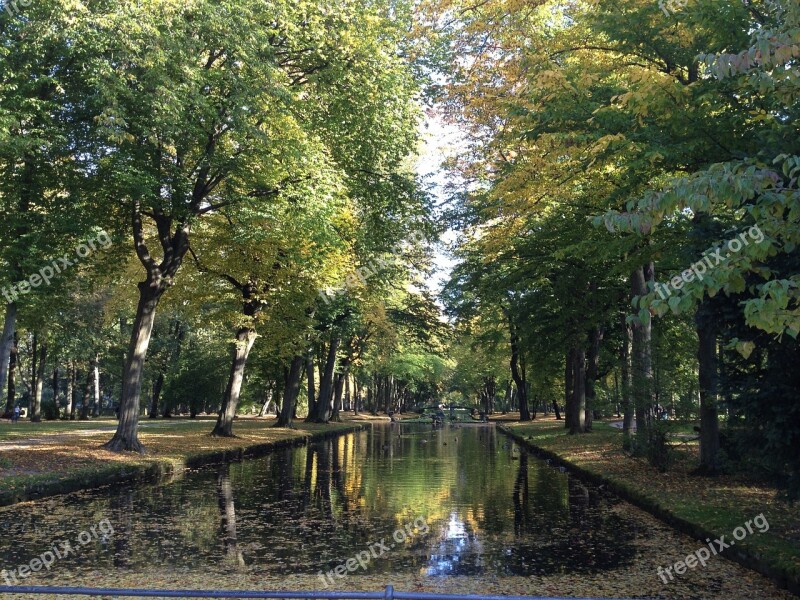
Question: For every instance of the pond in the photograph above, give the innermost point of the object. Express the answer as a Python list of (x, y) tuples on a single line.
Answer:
[(406, 504)]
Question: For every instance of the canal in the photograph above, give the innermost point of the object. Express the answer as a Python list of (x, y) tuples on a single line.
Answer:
[(456, 509)]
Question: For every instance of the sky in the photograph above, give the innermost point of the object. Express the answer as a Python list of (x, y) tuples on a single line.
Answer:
[(439, 141)]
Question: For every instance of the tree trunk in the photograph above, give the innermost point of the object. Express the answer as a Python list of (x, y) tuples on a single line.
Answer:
[(277, 394), (54, 381), (507, 396), (592, 369), (268, 395), (338, 387), (38, 379), (172, 358), (290, 392), (388, 393), (324, 404), (6, 347), (311, 392), (489, 394), (519, 379), (34, 415), (98, 402), (569, 381), (576, 413), (126, 437), (69, 409), (627, 384), (13, 361), (341, 381), (556, 410), (708, 365), (87, 392), (158, 385), (245, 338), (642, 361), (371, 393)]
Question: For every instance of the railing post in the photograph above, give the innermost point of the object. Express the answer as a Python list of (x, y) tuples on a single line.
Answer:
[(389, 595)]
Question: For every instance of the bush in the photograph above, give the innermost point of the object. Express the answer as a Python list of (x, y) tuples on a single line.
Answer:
[(50, 412), (658, 450)]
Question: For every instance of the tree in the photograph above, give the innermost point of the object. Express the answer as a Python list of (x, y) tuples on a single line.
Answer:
[(187, 137)]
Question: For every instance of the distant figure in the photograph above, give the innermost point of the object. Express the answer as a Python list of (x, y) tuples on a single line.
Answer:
[(15, 414)]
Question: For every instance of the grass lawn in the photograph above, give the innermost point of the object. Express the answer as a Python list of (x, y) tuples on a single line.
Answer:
[(718, 505)]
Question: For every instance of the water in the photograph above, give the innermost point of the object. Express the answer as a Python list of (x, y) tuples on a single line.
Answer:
[(455, 501)]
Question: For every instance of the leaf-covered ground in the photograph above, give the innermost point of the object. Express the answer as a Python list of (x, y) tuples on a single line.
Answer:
[(717, 504)]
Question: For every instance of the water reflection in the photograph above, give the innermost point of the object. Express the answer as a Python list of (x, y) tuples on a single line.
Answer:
[(122, 506), (227, 513), (491, 509)]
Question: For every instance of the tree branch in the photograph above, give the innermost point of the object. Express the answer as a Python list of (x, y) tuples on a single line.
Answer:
[(138, 239)]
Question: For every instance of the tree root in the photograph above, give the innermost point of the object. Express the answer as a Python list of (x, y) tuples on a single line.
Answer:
[(121, 444), (218, 432)]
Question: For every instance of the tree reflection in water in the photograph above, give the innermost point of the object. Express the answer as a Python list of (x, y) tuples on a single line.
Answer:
[(491, 509), (227, 513)]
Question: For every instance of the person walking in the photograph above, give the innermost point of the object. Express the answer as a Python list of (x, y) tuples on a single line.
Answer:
[(15, 414)]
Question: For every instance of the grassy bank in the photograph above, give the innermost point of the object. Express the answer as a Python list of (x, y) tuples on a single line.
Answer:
[(44, 459), (699, 506)]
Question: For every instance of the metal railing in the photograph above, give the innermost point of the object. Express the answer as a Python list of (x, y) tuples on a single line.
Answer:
[(388, 594)]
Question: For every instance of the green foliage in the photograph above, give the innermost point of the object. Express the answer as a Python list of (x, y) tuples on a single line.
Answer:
[(269, 144), (197, 381), (676, 134)]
